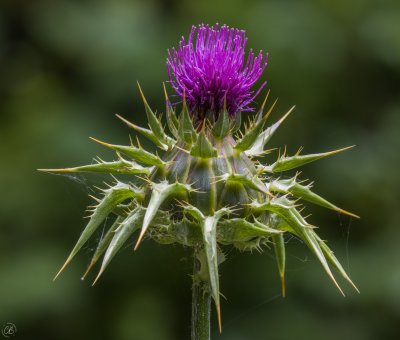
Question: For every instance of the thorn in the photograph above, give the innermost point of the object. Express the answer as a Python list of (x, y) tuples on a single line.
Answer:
[(336, 284), (98, 276), (340, 150), (287, 114), (299, 151), (165, 92), (265, 101), (181, 149), (270, 110), (57, 170), (142, 95), (142, 232), (63, 267), (126, 121), (138, 142), (100, 142), (354, 286), (88, 270), (203, 126), (347, 213), (218, 307), (95, 198)]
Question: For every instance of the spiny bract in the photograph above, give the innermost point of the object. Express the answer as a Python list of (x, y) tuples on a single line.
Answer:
[(210, 188)]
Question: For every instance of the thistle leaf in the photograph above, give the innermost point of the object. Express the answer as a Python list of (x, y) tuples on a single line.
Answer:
[(334, 261), (280, 254), (186, 232), (186, 130), (103, 244), (221, 127), (209, 229), (154, 122), (111, 199), (240, 230), (203, 148), (266, 228), (160, 192), (172, 121), (286, 210), (121, 166), (236, 122), (262, 139), (135, 153), (251, 182), (250, 137), (259, 114), (307, 235), (289, 163), (194, 212), (124, 231), (304, 192), (149, 134)]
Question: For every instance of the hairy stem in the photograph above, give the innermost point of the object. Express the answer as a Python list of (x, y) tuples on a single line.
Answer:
[(201, 303)]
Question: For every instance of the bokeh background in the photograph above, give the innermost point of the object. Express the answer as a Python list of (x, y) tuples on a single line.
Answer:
[(67, 66)]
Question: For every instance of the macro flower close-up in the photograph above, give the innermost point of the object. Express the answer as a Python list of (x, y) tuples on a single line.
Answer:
[(211, 189), (214, 170)]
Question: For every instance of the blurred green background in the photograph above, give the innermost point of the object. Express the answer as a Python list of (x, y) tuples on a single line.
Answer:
[(68, 66)]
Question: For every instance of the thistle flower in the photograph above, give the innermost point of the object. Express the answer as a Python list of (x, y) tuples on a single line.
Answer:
[(211, 68), (212, 188)]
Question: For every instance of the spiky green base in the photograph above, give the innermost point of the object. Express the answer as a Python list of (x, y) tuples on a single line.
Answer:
[(207, 191)]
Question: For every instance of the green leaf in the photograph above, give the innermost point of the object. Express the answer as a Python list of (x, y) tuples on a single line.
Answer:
[(121, 235), (193, 211), (111, 199), (304, 192), (262, 139), (289, 163), (203, 148), (252, 134), (103, 244), (149, 134), (235, 123), (186, 130), (240, 230), (251, 182), (154, 122), (221, 127), (160, 192), (135, 153), (286, 210), (280, 254), (334, 261), (185, 232), (307, 235), (259, 114), (121, 166), (209, 231), (172, 121)]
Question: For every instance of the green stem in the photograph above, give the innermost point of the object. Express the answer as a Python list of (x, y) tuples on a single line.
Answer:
[(201, 304)]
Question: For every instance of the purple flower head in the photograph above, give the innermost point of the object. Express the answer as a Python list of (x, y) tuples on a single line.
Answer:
[(211, 66)]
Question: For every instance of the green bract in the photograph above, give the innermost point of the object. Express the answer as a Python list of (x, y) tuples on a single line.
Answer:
[(209, 189)]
